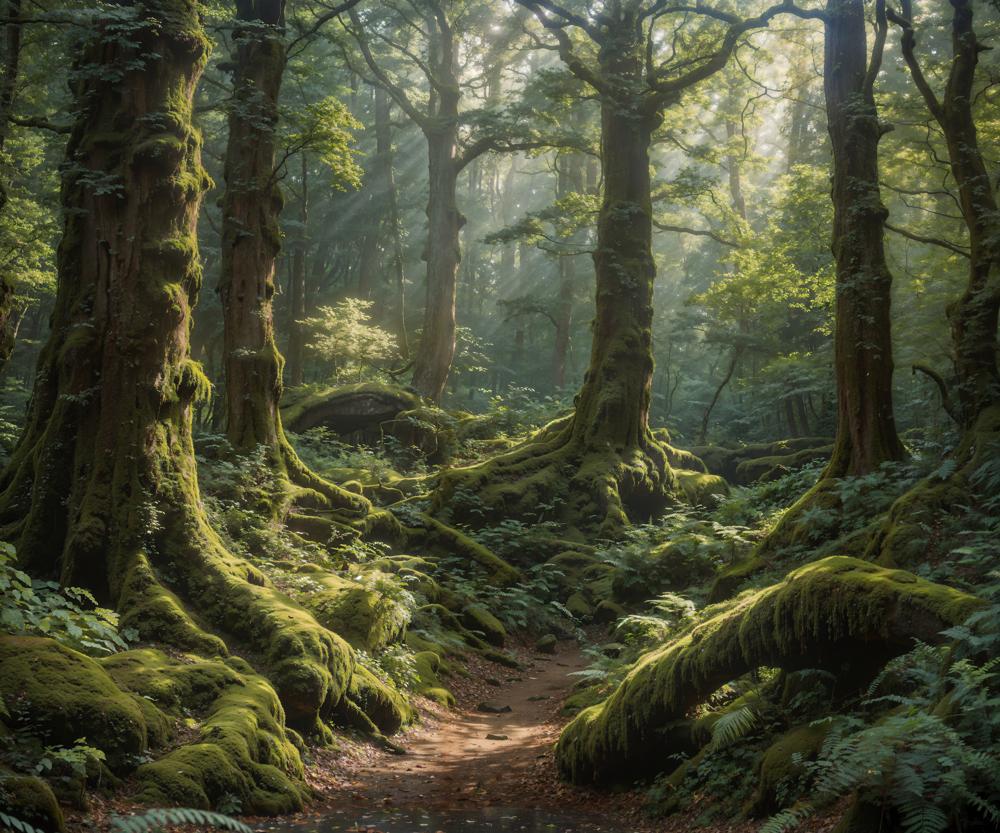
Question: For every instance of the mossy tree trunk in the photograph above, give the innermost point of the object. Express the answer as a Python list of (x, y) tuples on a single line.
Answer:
[(102, 489), (974, 315), (251, 240), (866, 429), (603, 462)]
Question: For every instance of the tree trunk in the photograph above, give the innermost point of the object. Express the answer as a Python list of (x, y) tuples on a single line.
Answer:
[(571, 179), (295, 364), (436, 349), (866, 430), (10, 313), (250, 245), (974, 316)]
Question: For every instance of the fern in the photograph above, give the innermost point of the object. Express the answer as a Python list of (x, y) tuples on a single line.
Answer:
[(787, 819), (157, 819), (734, 725), (11, 823)]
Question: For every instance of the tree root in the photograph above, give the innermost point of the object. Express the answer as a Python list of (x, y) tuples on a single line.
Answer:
[(561, 474), (835, 611)]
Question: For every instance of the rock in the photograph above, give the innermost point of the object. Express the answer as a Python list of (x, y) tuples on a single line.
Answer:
[(489, 708), (546, 644), (496, 737)]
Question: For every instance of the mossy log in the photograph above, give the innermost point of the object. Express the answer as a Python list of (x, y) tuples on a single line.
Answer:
[(348, 410), (833, 613), (726, 462)]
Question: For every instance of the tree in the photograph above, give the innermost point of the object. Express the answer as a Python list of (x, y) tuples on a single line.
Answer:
[(102, 490), (974, 316), (439, 24), (621, 472), (251, 241)]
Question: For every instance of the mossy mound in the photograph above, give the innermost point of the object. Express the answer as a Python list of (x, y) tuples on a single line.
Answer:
[(242, 752), (348, 410), (30, 799), (830, 613), (349, 607), (701, 489), (379, 702), (62, 695), (785, 760), (485, 625), (771, 467), (429, 666)]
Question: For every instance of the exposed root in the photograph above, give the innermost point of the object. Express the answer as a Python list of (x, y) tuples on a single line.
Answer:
[(561, 473), (835, 611)]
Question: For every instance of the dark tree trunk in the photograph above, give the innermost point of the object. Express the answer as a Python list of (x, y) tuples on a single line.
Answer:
[(11, 311), (974, 316), (571, 179), (866, 430), (250, 245)]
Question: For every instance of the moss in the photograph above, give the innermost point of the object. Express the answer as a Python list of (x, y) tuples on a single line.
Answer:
[(729, 578), (364, 617), (765, 469), (429, 664), (479, 620), (30, 799), (835, 611), (701, 489), (456, 543), (242, 753), (347, 408), (726, 461), (382, 704), (63, 695), (783, 761), (578, 605)]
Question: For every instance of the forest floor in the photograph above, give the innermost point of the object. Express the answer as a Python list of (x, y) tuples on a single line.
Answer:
[(455, 779)]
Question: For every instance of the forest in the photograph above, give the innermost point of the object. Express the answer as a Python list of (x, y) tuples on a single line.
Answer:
[(481, 416)]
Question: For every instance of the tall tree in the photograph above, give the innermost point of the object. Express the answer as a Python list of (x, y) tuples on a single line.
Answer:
[(974, 315), (622, 471), (102, 490), (251, 240), (9, 313), (436, 57)]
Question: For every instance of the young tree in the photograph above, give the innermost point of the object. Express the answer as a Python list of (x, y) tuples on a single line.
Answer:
[(604, 461), (102, 489), (251, 241)]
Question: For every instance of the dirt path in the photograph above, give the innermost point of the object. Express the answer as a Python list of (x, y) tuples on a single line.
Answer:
[(451, 762)]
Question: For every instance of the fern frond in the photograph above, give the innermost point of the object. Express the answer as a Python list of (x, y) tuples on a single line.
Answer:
[(158, 818)]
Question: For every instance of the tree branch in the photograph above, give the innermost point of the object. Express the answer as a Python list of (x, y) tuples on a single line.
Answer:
[(946, 401), (931, 241), (718, 238)]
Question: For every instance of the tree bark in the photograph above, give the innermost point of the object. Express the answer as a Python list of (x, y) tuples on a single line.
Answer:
[(866, 429), (571, 180), (973, 316), (436, 348), (295, 364), (250, 245)]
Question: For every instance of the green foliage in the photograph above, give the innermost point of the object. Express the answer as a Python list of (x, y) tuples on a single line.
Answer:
[(326, 128), (18, 826), (160, 819), (344, 336), (70, 615)]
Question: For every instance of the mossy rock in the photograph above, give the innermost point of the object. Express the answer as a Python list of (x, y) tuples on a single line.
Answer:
[(30, 799), (63, 695), (479, 620), (729, 578), (726, 461), (356, 613), (429, 666), (547, 644), (578, 605), (836, 613), (380, 701), (766, 469), (349, 410), (608, 611)]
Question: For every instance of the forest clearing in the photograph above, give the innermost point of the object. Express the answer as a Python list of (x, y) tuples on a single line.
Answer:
[(500, 415)]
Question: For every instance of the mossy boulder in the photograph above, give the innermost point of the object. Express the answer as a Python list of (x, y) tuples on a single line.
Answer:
[(772, 467), (547, 644), (63, 695), (30, 799), (701, 489), (352, 411), (578, 605), (429, 665), (836, 613), (484, 624)]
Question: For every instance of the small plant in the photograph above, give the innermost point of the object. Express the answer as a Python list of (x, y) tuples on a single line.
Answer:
[(158, 819), (70, 615)]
